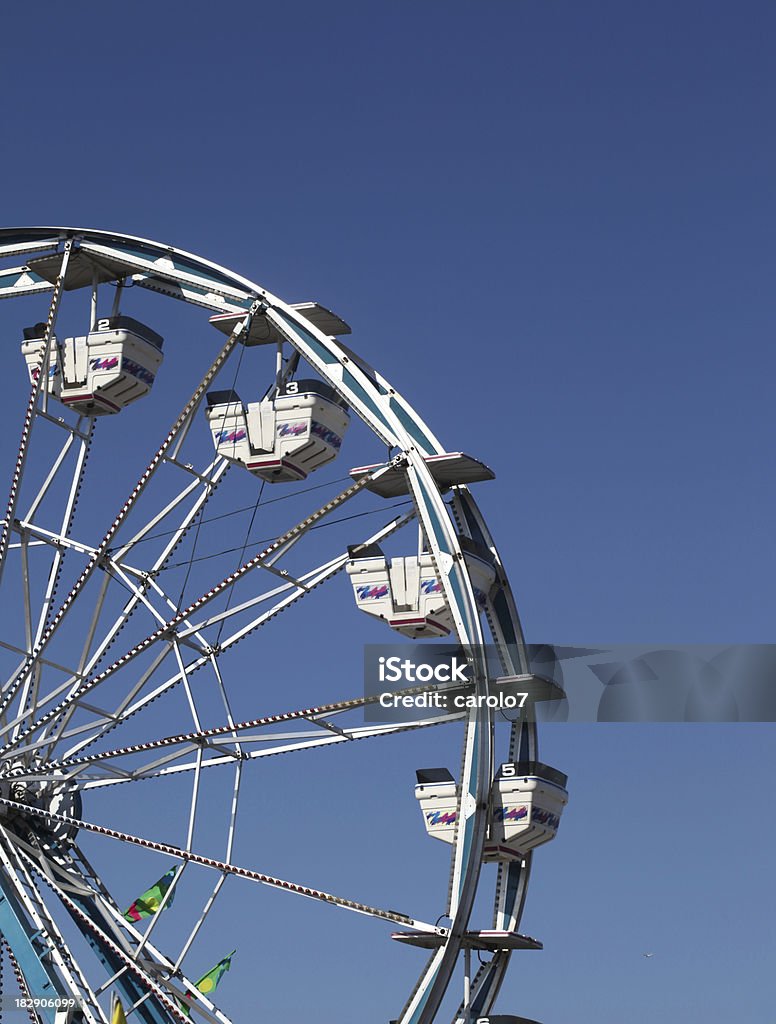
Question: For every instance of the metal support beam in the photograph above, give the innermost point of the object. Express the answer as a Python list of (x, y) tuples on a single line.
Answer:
[(149, 1010), (30, 951)]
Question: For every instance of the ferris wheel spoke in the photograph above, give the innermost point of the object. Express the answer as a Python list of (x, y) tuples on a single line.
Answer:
[(82, 774), (290, 743), (231, 731), (234, 733), (178, 853), (21, 981), (26, 596)]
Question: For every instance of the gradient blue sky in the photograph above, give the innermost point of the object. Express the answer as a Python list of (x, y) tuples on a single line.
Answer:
[(551, 223)]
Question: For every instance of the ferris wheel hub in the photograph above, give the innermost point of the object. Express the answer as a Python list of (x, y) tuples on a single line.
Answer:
[(56, 797)]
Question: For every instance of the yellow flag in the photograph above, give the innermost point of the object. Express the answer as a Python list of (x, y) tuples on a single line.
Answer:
[(117, 1011)]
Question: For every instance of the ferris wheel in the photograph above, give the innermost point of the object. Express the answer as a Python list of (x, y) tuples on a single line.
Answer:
[(148, 570)]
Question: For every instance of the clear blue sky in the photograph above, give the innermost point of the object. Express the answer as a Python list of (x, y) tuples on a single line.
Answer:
[(551, 223)]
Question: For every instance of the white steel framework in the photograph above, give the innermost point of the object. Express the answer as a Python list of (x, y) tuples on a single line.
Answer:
[(106, 625)]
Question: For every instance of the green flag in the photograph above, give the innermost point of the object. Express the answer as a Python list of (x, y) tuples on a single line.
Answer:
[(209, 982), (148, 904)]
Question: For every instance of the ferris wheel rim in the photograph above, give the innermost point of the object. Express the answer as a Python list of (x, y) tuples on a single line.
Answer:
[(289, 319)]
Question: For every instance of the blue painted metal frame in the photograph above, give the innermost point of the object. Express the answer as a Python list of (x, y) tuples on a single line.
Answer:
[(29, 950), (150, 1012)]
